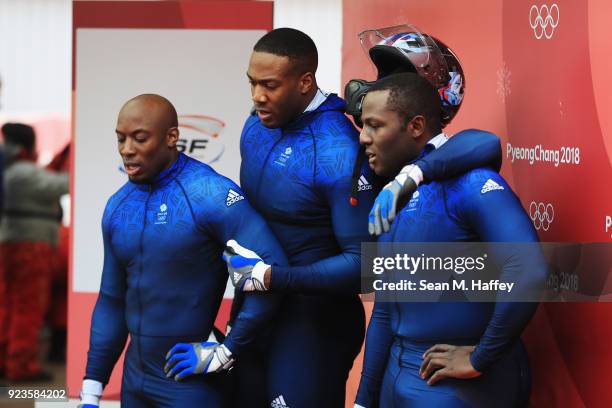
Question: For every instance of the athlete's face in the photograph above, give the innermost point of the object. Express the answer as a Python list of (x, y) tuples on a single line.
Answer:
[(389, 144), (146, 143), (278, 89)]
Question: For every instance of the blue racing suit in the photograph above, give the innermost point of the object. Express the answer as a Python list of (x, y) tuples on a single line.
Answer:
[(164, 278), (459, 209), (300, 178)]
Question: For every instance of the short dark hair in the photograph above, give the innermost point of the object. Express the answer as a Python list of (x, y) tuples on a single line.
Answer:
[(19, 134), (291, 43), (410, 95)]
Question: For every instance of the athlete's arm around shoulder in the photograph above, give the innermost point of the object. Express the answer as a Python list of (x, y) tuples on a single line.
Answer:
[(467, 150), (337, 149)]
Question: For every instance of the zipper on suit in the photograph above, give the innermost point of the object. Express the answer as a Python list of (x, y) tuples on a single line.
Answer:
[(140, 271), (265, 164)]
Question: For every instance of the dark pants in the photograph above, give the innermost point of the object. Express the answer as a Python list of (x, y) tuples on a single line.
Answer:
[(308, 355)]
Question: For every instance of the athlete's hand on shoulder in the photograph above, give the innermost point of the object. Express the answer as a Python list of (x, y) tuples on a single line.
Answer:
[(392, 198), (246, 269), (91, 391), (445, 360), (185, 359)]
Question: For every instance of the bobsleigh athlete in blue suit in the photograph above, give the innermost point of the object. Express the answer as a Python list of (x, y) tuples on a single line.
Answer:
[(164, 277), (444, 354), (302, 169)]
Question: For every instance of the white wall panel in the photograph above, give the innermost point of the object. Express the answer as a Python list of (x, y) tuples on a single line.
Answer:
[(35, 55), (322, 21)]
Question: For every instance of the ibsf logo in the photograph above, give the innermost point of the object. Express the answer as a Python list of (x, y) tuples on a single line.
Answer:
[(199, 137), (608, 224), (542, 215), (543, 20)]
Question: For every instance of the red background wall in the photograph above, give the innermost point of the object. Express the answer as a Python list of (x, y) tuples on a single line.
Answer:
[(550, 91)]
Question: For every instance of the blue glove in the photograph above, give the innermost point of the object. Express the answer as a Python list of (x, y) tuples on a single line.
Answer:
[(185, 359), (392, 199), (91, 391), (246, 269)]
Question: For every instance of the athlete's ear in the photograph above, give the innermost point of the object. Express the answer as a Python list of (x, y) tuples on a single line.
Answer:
[(417, 126), (172, 137), (307, 82)]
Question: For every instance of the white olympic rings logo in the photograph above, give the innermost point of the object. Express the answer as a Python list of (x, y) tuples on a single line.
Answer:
[(542, 215), (543, 20)]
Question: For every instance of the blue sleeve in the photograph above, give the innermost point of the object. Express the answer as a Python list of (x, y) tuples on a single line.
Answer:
[(378, 345), (108, 326), (340, 273), (239, 221), (497, 216), (467, 150)]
